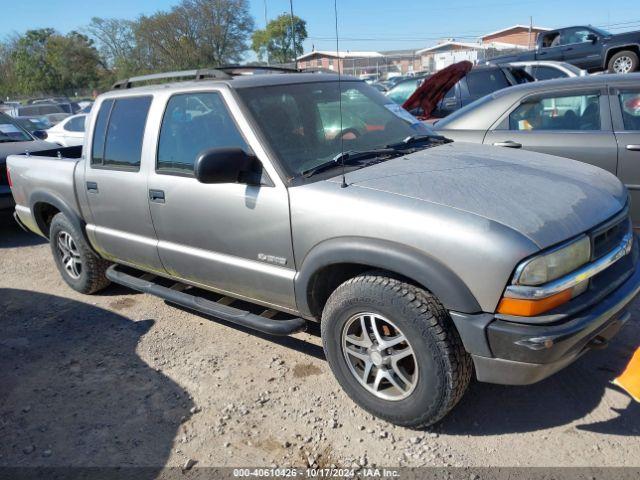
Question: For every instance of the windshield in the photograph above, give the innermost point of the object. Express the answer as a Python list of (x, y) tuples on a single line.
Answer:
[(302, 121), (10, 131)]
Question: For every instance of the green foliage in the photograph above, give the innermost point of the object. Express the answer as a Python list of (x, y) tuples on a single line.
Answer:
[(43, 61), (276, 42)]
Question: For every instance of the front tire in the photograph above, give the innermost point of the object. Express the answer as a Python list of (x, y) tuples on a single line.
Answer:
[(625, 61), (394, 350), (78, 265)]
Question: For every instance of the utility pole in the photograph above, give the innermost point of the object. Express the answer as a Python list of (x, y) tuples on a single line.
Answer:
[(530, 30), (293, 34), (265, 24)]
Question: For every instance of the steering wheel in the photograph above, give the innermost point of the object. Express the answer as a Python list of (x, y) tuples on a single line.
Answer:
[(350, 133)]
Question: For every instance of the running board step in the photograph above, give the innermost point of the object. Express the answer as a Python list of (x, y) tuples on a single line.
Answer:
[(230, 314)]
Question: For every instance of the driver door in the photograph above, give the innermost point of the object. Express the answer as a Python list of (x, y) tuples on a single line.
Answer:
[(234, 238)]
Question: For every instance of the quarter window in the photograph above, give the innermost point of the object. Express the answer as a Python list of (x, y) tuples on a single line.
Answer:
[(577, 112), (630, 105), (121, 144), (193, 123)]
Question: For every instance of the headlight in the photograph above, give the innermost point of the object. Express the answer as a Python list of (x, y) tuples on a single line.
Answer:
[(555, 264)]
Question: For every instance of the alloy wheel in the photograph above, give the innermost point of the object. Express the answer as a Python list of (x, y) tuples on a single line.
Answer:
[(622, 64), (379, 356), (69, 255)]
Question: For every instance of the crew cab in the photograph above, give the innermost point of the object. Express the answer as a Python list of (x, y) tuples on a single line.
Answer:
[(586, 47), (425, 261)]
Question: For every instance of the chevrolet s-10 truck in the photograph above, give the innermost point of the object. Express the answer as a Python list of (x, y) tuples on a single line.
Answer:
[(274, 199)]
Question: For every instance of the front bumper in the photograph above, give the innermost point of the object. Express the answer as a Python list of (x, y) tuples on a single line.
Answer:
[(516, 353)]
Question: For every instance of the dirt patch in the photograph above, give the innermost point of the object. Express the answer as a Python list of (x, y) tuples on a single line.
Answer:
[(122, 303), (303, 370)]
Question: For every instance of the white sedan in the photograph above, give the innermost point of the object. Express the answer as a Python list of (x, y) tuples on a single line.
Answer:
[(69, 132)]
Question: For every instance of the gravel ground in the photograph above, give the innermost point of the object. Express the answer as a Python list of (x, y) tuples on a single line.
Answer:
[(122, 378)]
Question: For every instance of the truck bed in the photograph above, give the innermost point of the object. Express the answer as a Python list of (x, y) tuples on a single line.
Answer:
[(43, 175)]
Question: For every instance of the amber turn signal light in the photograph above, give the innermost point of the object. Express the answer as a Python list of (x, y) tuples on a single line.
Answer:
[(529, 308)]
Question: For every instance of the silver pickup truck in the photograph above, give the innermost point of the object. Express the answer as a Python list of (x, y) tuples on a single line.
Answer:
[(275, 199)]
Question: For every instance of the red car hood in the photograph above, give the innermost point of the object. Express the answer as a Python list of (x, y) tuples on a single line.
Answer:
[(435, 88)]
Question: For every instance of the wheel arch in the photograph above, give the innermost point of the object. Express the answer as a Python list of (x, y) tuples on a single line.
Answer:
[(334, 261), (44, 205), (633, 47)]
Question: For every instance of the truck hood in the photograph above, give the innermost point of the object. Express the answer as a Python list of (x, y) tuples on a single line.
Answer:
[(545, 198), (633, 36), (14, 148)]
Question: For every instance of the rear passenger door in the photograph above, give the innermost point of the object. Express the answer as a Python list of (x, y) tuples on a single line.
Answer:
[(572, 124), (234, 237), (625, 109), (115, 187)]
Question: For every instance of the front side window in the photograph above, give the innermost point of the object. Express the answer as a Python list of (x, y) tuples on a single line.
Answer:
[(575, 112), (576, 35), (193, 123), (483, 82), (302, 122), (630, 105), (121, 144)]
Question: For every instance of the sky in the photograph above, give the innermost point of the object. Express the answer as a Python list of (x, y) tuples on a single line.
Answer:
[(362, 24)]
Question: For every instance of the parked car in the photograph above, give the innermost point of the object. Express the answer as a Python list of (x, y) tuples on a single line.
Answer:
[(548, 70), (593, 119), (423, 260), (14, 139), (33, 124), (480, 81), (68, 132), (586, 47), (53, 112)]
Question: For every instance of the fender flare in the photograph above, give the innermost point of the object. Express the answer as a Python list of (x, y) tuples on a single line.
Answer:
[(47, 197), (606, 58), (414, 264)]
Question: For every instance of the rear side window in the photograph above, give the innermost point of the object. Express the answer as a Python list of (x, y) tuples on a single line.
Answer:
[(483, 82), (192, 123), (122, 139), (76, 124), (630, 105), (576, 112)]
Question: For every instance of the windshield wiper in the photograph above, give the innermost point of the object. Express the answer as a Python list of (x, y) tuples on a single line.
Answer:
[(413, 140), (351, 157), (8, 140)]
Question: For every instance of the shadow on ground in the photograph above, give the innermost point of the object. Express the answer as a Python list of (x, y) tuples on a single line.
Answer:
[(11, 235), (569, 396), (74, 391)]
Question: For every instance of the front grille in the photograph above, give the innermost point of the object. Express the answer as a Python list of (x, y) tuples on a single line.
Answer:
[(606, 239)]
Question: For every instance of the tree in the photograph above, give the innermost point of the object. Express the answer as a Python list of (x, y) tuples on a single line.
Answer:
[(115, 39), (195, 33), (33, 73), (279, 42)]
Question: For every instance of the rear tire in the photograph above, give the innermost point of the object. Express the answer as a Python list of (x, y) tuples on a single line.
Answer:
[(625, 61), (78, 265), (437, 369)]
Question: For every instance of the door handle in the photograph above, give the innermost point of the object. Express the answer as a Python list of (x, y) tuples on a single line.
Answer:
[(508, 144), (156, 196), (92, 187), (568, 49), (633, 148)]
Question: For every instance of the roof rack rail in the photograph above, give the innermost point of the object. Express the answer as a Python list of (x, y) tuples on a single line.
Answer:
[(200, 74), (251, 68), (224, 72)]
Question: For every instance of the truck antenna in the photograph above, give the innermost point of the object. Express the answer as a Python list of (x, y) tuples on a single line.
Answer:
[(344, 181)]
